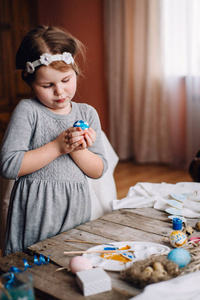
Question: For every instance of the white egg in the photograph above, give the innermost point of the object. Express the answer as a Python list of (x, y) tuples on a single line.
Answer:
[(79, 263)]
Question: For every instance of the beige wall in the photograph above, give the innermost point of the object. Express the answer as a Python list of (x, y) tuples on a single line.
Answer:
[(83, 19)]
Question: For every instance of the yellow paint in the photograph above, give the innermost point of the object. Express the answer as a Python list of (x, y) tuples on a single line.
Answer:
[(117, 256), (125, 248)]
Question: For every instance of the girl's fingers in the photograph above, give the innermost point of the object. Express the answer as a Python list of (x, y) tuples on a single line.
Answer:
[(89, 140), (73, 140), (78, 139), (74, 146), (74, 132), (82, 146), (92, 134)]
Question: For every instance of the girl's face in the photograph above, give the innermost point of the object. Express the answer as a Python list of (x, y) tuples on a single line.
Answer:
[(55, 89)]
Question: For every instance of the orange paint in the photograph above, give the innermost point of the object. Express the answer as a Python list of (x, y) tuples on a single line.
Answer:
[(125, 248), (117, 256)]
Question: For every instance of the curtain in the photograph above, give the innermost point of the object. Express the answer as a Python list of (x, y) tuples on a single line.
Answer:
[(193, 78), (151, 47)]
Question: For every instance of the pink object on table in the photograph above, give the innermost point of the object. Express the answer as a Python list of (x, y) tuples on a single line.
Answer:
[(195, 239)]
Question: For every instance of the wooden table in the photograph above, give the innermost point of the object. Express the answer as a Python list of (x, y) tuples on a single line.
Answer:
[(144, 224)]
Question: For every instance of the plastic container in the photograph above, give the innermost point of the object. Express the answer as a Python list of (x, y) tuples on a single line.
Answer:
[(177, 224)]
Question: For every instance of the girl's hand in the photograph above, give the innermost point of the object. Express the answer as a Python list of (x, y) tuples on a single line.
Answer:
[(89, 139), (70, 139), (90, 163)]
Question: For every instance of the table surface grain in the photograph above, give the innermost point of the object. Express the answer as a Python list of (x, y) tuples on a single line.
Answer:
[(143, 224)]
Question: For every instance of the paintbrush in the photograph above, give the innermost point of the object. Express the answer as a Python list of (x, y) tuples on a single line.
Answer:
[(84, 242), (87, 242), (100, 251)]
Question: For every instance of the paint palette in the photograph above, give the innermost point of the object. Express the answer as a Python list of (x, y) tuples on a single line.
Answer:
[(133, 251)]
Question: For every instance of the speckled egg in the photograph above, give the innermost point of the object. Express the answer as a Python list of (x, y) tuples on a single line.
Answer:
[(177, 238), (179, 256)]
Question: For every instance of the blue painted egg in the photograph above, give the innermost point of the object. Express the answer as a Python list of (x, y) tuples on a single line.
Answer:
[(180, 256), (80, 123)]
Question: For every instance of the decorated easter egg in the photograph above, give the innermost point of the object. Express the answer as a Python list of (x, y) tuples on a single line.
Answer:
[(83, 124), (79, 263), (177, 238), (180, 256)]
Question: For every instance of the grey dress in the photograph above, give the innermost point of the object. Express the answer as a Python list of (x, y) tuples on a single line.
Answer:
[(56, 197)]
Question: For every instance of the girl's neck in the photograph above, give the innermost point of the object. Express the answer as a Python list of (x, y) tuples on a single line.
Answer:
[(65, 111)]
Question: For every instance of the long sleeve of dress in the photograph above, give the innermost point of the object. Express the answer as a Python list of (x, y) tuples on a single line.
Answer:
[(16, 140)]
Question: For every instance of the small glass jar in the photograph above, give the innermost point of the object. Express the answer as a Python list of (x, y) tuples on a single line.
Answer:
[(16, 286)]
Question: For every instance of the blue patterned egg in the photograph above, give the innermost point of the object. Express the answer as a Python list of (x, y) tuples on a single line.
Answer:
[(177, 238), (180, 256), (80, 123)]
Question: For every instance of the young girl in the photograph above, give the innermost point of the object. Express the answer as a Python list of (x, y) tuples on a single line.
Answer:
[(42, 151)]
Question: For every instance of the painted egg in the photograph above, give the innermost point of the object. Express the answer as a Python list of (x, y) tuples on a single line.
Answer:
[(177, 238), (180, 256), (79, 263), (83, 124)]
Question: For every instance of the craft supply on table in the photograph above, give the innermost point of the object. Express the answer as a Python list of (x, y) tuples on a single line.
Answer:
[(177, 238), (83, 124), (150, 270), (38, 262), (177, 223), (88, 242), (177, 262), (17, 286), (175, 203), (179, 197), (3, 290), (194, 250), (93, 281), (179, 217), (195, 239), (83, 242), (79, 263), (197, 226), (95, 251), (136, 250), (188, 230), (174, 211), (179, 256)]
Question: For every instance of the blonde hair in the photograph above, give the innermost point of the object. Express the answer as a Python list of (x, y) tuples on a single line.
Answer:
[(52, 40)]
